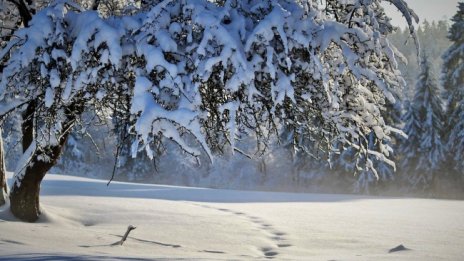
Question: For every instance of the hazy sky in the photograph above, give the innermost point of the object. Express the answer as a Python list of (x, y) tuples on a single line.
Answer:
[(426, 9)]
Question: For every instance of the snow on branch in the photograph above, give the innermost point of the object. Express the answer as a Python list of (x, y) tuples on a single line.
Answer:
[(410, 17)]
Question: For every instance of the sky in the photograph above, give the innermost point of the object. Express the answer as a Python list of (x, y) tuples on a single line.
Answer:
[(431, 10)]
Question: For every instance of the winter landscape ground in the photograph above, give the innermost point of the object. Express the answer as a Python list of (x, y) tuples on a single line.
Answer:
[(83, 218)]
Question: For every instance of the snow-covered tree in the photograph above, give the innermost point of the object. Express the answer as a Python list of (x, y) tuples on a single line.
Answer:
[(433, 39), (410, 146), (453, 82), (202, 74), (423, 152)]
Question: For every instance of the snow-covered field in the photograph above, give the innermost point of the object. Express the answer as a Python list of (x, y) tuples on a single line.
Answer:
[(84, 218)]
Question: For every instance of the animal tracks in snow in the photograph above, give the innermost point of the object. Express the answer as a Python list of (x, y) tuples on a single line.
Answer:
[(278, 238)]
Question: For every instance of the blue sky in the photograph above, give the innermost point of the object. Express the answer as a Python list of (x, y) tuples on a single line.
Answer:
[(426, 9)]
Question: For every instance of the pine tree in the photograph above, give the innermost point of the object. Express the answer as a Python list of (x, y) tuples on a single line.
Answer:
[(424, 151), (433, 39), (453, 82), (410, 147)]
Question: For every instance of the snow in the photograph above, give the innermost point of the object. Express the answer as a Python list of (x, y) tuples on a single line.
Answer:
[(155, 57), (23, 162), (167, 121), (89, 25), (49, 97), (84, 217)]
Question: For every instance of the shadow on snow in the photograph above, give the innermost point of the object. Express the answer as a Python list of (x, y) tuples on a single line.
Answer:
[(40, 257), (56, 185)]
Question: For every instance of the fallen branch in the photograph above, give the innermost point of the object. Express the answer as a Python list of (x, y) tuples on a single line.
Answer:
[(129, 229)]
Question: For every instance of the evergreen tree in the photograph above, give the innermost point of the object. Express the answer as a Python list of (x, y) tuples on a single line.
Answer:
[(410, 147), (433, 39), (453, 82), (424, 152)]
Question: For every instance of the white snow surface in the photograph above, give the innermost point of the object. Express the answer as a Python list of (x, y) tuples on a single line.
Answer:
[(83, 218)]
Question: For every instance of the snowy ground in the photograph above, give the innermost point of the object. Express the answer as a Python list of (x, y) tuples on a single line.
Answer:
[(84, 218)]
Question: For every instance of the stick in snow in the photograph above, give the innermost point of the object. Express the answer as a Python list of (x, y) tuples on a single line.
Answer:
[(129, 229)]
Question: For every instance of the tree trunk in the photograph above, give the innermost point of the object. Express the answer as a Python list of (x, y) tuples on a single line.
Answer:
[(24, 195), (3, 183)]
